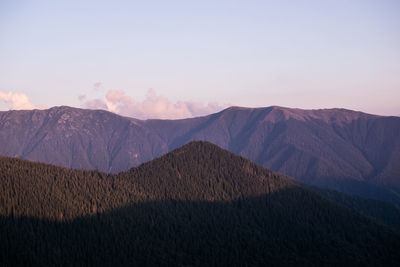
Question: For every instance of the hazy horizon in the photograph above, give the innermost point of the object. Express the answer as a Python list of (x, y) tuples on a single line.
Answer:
[(180, 59)]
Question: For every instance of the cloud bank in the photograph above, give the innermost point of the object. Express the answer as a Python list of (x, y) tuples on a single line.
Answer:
[(17, 100), (153, 107)]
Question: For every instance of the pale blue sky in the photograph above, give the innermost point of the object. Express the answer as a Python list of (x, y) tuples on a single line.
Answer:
[(307, 54)]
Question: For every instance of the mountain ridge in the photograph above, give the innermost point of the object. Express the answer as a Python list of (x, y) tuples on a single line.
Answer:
[(328, 148)]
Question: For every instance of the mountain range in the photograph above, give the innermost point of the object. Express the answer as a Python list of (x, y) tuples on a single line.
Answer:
[(198, 205), (340, 149)]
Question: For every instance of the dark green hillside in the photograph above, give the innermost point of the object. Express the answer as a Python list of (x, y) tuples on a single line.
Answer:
[(380, 211), (199, 171), (198, 205)]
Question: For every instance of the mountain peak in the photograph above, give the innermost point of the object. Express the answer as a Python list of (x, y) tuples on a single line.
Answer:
[(279, 113), (200, 164), (199, 145), (63, 107)]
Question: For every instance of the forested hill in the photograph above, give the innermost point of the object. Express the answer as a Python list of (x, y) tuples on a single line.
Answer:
[(198, 171), (198, 205)]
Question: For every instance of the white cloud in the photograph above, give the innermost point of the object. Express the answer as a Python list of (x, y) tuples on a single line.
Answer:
[(17, 100), (154, 106)]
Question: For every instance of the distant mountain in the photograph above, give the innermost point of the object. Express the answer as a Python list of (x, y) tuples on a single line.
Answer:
[(198, 205), (340, 149), (78, 138)]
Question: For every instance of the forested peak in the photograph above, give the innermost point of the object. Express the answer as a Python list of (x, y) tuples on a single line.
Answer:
[(200, 146), (198, 171), (206, 155), (194, 148), (202, 171)]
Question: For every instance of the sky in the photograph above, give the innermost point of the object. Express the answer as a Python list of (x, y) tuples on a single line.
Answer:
[(176, 59)]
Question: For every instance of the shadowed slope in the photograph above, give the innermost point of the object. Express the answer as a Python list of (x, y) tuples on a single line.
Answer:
[(285, 228), (198, 205)]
